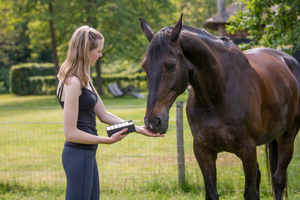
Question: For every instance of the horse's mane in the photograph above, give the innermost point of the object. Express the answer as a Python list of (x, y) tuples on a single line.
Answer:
[(158, 44), (203, 32)]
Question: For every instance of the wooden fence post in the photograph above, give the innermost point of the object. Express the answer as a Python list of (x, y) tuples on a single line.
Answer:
[(180, 146)]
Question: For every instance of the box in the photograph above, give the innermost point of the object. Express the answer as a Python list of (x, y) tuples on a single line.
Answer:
[(118, 127)]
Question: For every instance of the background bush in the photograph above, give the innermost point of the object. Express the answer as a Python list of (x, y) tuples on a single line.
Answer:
[(138, 80), (38, 79), (20, 75), (42, 85), (4, 79)]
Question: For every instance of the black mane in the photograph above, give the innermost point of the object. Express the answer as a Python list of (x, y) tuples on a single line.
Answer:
[(203, 32), (159, 45)]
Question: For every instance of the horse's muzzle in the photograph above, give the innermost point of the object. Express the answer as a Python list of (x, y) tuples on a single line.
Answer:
[(156, 125)]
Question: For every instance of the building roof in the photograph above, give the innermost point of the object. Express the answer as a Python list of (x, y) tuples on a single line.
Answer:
[(223, 17)]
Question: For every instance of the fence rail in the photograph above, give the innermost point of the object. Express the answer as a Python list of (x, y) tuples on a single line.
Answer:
[(30, 153)]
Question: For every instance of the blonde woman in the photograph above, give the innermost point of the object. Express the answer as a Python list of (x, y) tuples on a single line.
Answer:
[(81, 104)]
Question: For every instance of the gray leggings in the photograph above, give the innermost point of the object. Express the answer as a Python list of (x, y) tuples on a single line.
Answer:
[(82, 174)]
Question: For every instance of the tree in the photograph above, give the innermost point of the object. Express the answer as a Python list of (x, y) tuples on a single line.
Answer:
[(118, 21), (49, 25), (53, 40), (270, 23), (40, 16), (13, 42), (195, 12)]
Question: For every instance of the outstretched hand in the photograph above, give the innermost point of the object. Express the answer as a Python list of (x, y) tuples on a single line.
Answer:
[(144, 131)]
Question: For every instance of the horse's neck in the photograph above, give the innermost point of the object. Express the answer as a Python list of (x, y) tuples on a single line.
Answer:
[(208, 77)]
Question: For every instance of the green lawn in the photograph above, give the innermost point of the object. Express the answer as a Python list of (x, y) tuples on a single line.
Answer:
[(31, 141)]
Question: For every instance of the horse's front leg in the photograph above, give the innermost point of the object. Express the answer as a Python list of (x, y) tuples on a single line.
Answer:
[(206, 159), (248, 156)]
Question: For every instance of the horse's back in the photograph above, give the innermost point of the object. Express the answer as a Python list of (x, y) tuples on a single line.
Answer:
[(274, 65), (264, 57), (278, 76)]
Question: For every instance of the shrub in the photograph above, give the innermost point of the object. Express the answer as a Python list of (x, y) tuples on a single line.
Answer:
[(139, 80), (42, 85), (4, 79), (20, 76), (39, 79)]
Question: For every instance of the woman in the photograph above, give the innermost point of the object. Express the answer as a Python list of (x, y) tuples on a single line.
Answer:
[(81, 104)]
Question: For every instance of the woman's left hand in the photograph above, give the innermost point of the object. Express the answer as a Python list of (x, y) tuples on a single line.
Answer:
[(144, 131)]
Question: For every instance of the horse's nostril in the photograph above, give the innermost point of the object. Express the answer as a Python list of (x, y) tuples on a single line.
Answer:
[(153, 124), (157, 122)]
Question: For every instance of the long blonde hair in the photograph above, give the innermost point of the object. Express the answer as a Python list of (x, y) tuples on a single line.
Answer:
[(83, 40)]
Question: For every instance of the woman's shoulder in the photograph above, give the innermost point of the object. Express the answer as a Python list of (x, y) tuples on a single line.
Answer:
[(73, 80), (73, 85)]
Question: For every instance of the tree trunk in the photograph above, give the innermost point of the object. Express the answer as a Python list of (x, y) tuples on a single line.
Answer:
[(99, 78), (53, 44)]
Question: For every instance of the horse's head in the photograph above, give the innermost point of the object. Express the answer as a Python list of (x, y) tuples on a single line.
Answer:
[(167, 74)]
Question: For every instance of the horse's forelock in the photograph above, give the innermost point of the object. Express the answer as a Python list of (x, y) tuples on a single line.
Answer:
[(158, 44)]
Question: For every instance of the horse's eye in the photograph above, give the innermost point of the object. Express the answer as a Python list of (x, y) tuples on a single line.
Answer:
[(171, 67)]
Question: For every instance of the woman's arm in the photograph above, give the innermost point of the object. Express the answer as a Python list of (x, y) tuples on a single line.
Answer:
[(70, 116), (102, 114), (109, 118)]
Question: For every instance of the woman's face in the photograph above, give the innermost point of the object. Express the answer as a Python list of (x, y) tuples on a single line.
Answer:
[(97, 52)]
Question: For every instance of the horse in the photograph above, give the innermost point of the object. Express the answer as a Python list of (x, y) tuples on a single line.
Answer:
[(238, 100)]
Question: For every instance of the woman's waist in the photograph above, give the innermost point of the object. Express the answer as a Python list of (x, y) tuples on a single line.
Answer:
[(81, 146)]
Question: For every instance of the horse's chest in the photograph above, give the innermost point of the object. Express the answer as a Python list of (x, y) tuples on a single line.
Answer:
[(210, 131)]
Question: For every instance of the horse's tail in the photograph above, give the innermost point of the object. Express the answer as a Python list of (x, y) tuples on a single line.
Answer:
[(272, 159), (272, 162)]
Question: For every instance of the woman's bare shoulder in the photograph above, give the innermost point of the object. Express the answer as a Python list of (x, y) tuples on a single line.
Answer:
[(74, 81), (73, 85)]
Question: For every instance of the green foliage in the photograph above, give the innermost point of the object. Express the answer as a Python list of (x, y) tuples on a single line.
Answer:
[(13, 42), (197, 11), (273, 24), (42, 85), (117, 20), (4, 79), (25, 34), (13, 39), (20, 76), (121, 28), (128, 77), (38, 79), (138, 80)]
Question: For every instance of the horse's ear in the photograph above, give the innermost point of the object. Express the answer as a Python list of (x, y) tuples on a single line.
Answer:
[(146, 29), (177, 29)]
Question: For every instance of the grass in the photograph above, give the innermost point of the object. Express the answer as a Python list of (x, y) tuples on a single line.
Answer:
[(136, 168)]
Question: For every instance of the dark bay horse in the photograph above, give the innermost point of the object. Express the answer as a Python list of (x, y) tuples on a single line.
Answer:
[(239, 100)]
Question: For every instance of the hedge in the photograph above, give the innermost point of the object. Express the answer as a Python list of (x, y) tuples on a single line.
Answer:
[(38, 79), (20, 76), (42, 85), (139, 80)]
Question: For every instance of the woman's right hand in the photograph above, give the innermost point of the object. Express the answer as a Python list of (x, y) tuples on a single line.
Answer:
[(117, 136)]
